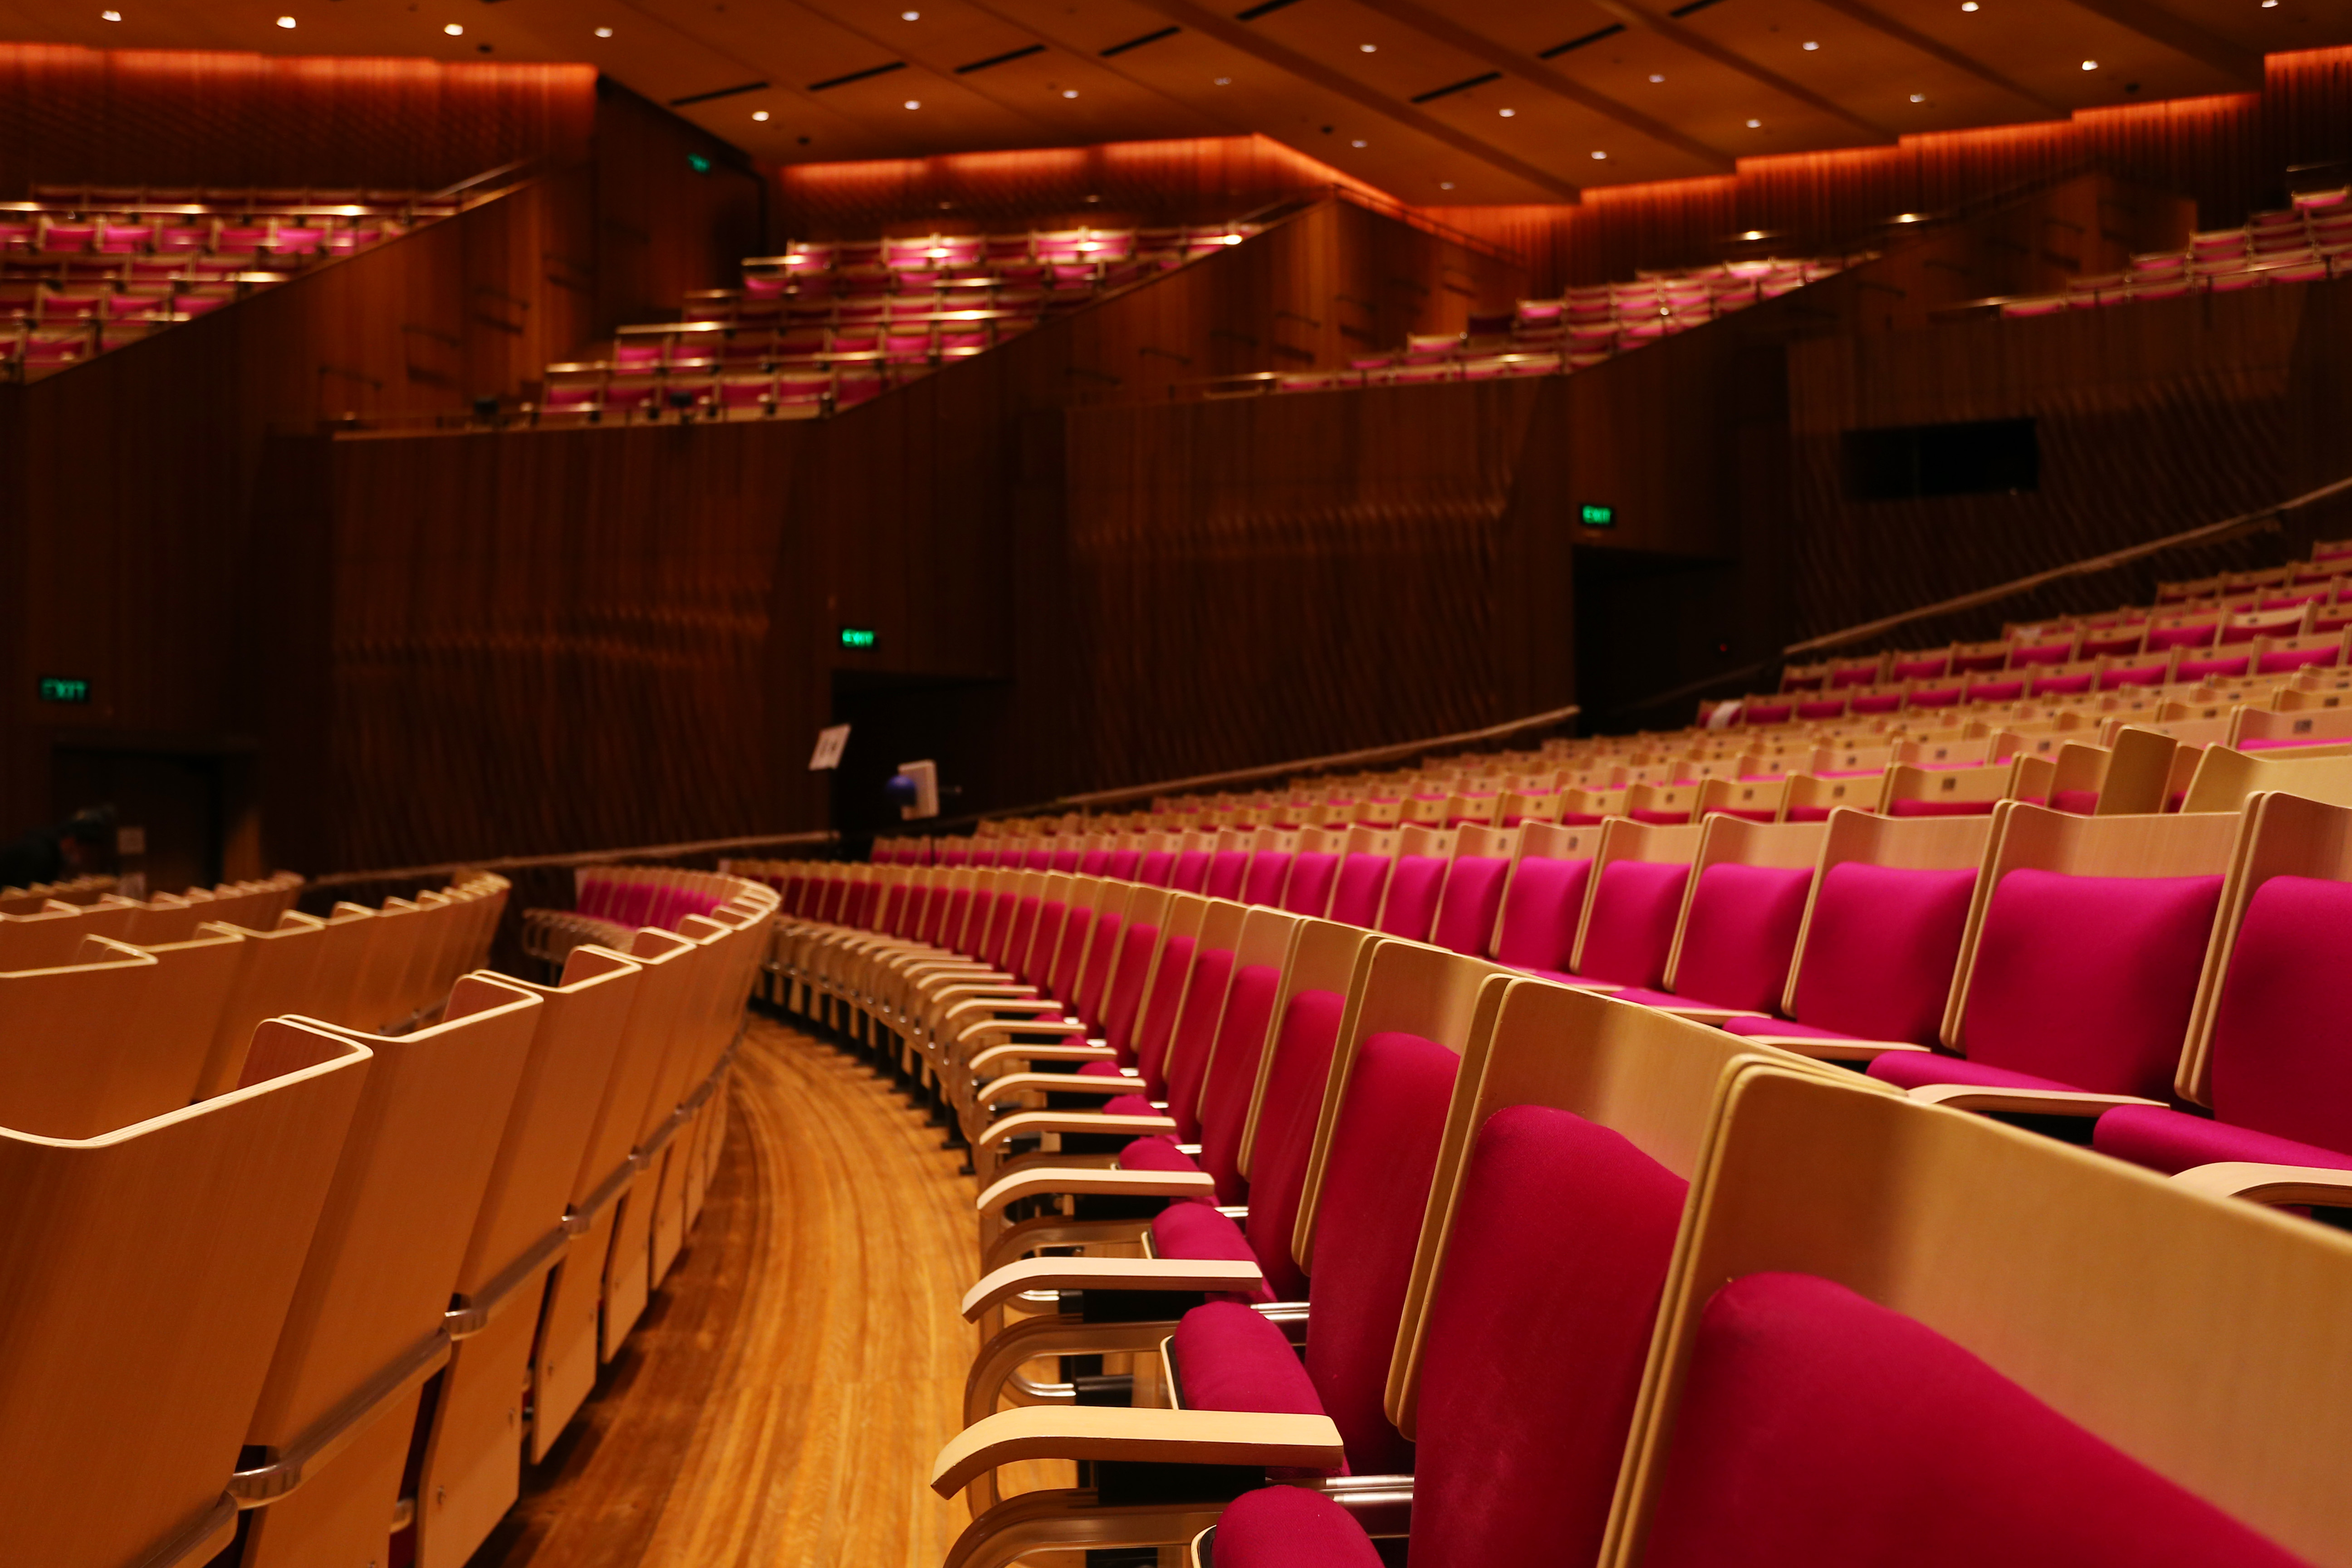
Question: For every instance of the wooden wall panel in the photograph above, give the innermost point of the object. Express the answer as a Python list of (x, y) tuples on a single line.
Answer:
[(663, 226), (70, 115), (1208, 179)]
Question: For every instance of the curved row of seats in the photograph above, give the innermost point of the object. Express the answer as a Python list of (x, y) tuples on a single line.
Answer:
[(1519, 1194), (320, 1314)]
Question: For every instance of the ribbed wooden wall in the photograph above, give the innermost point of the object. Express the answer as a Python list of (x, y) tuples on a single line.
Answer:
[(2229, 155), (1208, 179), (177, 118)]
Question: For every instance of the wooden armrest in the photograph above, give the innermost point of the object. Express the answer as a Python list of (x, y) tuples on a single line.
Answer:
[(1064, 1083), (1055, 1179), (1700, 1013), (2033, 1101), (2263, 1183), (1151, 1436), (1067, 1050), (1823, 1050), (1066, 1273), (1034, 1124), (1027, 1002), (980, 1029)]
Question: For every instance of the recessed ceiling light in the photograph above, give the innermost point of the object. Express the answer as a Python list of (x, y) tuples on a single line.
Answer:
[(2090, 65), (285, 21), (1919, 98), (1506, 113), (1754, 125), (109, 15), (1812, 45), (1656, 77), (1360, 141), (455, 29), (914, 103), (1968, 5), (2269, 5), (1369, 49), (1069, 92), (759, 114), (1600, 155), (1225, 81), (1753, 234), (910, 15), (603, 32), (1444, 184)]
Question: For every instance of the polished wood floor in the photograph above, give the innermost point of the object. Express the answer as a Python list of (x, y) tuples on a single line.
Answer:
[(783, 1397)]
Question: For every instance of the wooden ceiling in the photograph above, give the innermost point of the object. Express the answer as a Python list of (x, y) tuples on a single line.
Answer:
[(1453, 102)]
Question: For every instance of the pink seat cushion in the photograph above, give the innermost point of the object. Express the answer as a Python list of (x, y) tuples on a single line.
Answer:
[(2062, 685), (1921, 669), (2285, 659), (1538, 1335), (2088, 980), (1996, 690), (1101, 1070), (1466, 910), (1191, 871), (2173, 1141), (1375, 1185), (1935, 697), (1412, 902), (2206, 668), (1228, 868), (1124, 1000), (1194, 1039), (1818, 1428), (2081, 802), (1233, 1075), (1198, 1231), (1155, 1154), (2282, 1035), (1540, 908), (1120, 865), (1881, 702), (1287, 1112), (1659, 816), (2276, 742), (1308, 891), (1157, 1025), (1905, 807), (1740, 935), (1356, 896), (1878, 964), (1633, 912), (1289, 1527), (2162, 637), (1156, 867), (2133, 675), (1266, 873), (1230, 1358)]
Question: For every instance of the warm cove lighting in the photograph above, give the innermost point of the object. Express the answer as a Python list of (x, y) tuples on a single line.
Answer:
[(455, 29), (286, 21)]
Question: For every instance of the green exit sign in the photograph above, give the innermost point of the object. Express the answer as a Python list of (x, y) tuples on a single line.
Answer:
[(697, 162), (1597, 516), (64, 689), (857, 636)]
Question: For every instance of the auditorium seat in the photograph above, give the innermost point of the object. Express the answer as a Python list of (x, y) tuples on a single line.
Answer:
[(2027, 1399), (1737, 932), (2080, 964), (1640, 872), (365, 1329), (128, 1378)]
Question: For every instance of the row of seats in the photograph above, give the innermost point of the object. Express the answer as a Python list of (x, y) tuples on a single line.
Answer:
[(922, 260), (2307, 243), (1520, 1197), (73, 890), (320, 1314)]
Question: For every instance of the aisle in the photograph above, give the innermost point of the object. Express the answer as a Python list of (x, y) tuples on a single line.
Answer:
[(781, 1402)]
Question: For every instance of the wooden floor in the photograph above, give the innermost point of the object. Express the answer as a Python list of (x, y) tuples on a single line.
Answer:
[(782, 1399)]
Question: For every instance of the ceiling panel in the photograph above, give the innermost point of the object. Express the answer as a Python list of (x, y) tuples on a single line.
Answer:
[(1661, 95)]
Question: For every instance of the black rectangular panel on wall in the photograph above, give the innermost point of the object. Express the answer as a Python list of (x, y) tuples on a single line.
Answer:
[(1905, 462)]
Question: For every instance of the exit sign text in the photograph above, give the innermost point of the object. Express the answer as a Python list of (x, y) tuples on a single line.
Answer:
[(1597, 516), (64, 689), (857, 636)]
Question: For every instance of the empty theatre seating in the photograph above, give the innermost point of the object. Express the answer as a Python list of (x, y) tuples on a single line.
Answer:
[(1509, 1152), (84, 269), (344, 1206), (825, 327), (1582, 329), (2309, 242)]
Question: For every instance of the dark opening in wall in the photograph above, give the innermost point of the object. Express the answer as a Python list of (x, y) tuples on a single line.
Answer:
[(1984, 457)]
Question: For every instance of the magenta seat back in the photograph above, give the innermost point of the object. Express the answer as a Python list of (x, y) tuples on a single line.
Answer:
[(1228, 868), (1125, 999), (1287, 1116), (1159, 1021), (1540, 908), (1121, 865), (1038, 859), (1018, 956), (1908, 806), (1356, 894), (1094, 862), (1819, 1428), (1186, 1064), (2283, 1035), (2162, 637), (1885, 943), (1742, 934), (1191, 872), (1413, 887), (1233, 1075), (1934, 669), (1466, 910), (1308, 891), (946, 926), (2206, 668), (2088, 980), (1062, 861), (1155, 869), (992, 921), (955, 856), (1266, 872), (1538, 1335), (894, 909), (1375, 1185), (1064, 934), (1632, 928), (1087, 995), (2062, 685)]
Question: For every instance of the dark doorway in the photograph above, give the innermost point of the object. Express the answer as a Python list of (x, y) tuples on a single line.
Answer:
[(1651, 631), (896, 718), (175, 812)]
